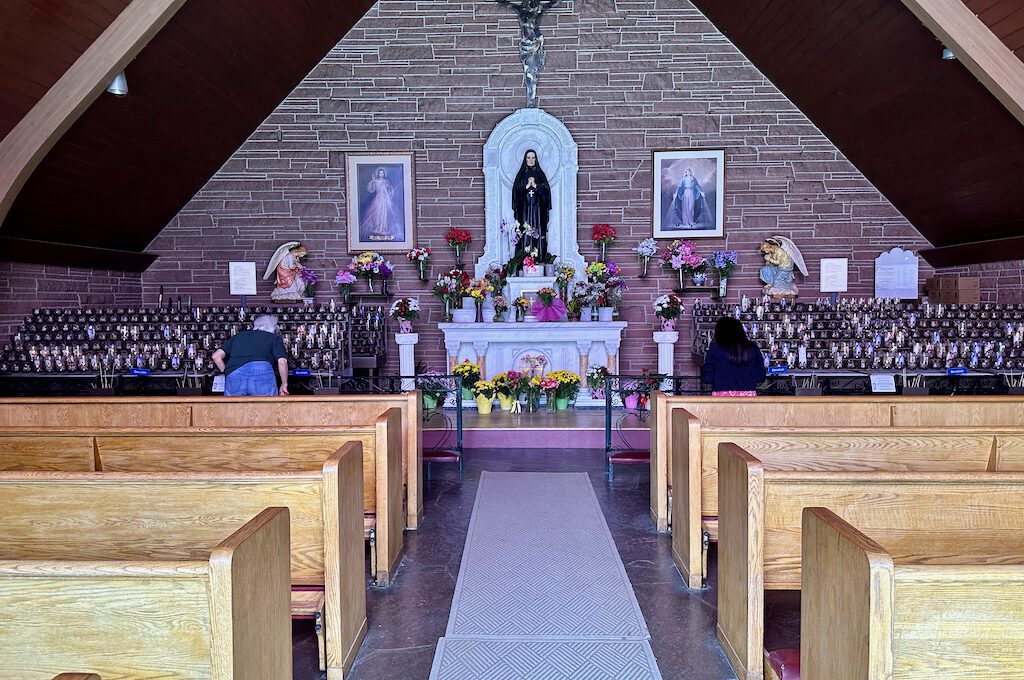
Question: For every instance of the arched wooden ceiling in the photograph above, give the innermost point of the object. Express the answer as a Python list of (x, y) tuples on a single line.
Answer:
[(196, 92), (932, 138)]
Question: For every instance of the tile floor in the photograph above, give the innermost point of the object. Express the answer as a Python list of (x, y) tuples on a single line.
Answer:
[(406, 619)]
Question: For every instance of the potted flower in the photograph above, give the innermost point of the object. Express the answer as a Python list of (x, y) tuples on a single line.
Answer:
[(420, 256), (682, 257), (448, 289), (646, 249), (568, 388), (478, 290), (574, 306), (483, 392), (603, 235), (432, 387), (547, 306), (470, 374), (405, 310), (564, 275), (309, 279), (506, 387), (596, 381), (458, 239), (636, 392), (345, 278), (723, 262), (521, 304), (668, 308), (500, 303)]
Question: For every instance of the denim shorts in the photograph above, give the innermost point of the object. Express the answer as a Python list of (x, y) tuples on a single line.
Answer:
[(254, 379)]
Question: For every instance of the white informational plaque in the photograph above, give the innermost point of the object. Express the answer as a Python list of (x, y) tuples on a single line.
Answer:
[(242, 278), (835, 274), (883, 383), (896, 275), (218, 383)]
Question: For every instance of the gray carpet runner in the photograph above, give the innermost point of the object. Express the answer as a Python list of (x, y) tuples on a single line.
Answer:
[(542, 593)]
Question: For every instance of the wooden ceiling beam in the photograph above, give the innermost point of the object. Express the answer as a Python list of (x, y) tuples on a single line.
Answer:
[(31, 139), (977, 48), (996, 250), (70, 255)]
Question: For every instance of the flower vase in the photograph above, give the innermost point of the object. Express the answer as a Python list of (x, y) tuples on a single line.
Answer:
[(605, 313), (499, 317), (307, 301), (520, 315), (447, 311), (458, 256), (422, 266), (346, 293), (631, 401), (587, 314), (722, 285), (552, 403), (700, 278), (467, 394), (681, 273), (561, 403), (479, 310), (668, 325), (484, 404), (429, 401), (563, 291), (369, 284), (645, 263), (404, 326), (532, 404), (384, 286), (604, 251)]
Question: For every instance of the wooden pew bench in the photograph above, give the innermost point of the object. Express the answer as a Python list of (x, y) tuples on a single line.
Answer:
[(870, 611), (95, 413), (163, 603), (849, 412), (900, 449), (102, 513), (760, 528), (252, 449)]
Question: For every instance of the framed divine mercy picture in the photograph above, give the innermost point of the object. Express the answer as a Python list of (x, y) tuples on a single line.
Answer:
[(689, 194), (381, 207)]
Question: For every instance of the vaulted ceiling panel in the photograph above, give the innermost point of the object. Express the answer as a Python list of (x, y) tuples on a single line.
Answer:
[(933, 139), (1005, 18)]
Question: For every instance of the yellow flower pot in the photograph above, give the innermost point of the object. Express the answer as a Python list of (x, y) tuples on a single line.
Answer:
[(505, 401), (483, 405)]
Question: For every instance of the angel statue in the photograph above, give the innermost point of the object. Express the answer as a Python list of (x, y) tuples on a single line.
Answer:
[(780, 257), (287, 263)]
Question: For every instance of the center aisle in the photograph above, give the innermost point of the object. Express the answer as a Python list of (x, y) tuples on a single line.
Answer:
[(541, 591)]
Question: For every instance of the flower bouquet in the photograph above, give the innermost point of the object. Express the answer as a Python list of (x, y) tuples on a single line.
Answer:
[(421, 256), (723, 262), (478, 290), (646, 249), (550, 387), (532, 266), (433, 387), (596, 381), (548, 307), (507, 387), (470, 374), (369, 265), (568, 388), (309, 279), (483, 392), (448, 289), (521, 304), (532, 389), (345, 278), (405, 310), (458, 239), (564, 275), (683, 258), (636, 392), (668, 308), (500, 303), (497, 276), (603, 235)]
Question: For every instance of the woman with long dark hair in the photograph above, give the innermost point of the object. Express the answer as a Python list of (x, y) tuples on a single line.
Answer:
[(733, 365)]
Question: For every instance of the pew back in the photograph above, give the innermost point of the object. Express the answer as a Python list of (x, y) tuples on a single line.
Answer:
[(95, 413), (869, 615), (222, 615)]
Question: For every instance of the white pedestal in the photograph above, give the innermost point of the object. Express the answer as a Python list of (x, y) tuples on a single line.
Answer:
[(407, 357), (666, 350)]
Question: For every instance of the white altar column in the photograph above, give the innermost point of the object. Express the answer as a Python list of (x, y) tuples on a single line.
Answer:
[(584, 349), (613, 355), (407, 357), (666, 350)]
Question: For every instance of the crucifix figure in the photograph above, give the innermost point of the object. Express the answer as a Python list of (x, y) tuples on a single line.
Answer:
[(531, 43)]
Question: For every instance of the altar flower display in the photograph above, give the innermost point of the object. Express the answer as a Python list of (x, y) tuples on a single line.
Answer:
[(646, 249), (668, 308), (521, 304), (458, 239), (547, 306), (420, 257), (603, 235), (470, 374), (568, 386), (500, 303), (309, 279), (370, 264), (404, 310), (448, 289), (564, 275), (507, 387)]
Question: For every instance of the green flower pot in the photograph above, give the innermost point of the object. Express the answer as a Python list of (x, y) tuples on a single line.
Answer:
[(561, 403)]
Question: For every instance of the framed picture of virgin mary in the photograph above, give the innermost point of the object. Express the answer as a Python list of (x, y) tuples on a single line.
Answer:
[(381, 210), (689, 194)]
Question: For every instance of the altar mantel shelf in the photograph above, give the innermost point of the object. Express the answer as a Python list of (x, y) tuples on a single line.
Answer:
[(564, 345)]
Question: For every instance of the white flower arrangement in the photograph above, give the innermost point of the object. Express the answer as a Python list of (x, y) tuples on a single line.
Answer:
[(668, 306), (647, 248), (405, 308)]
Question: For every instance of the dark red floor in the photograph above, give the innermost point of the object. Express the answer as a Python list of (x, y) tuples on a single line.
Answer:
[(406, 619)]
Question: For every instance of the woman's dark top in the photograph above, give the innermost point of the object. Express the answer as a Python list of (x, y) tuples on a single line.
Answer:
[(723, 375), (248, 346)]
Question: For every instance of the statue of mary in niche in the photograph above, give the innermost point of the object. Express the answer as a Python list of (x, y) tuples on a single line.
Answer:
[(531, 203)]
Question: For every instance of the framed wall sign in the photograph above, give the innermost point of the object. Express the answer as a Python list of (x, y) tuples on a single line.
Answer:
[(381, 210), (689, 194), (242, 278)]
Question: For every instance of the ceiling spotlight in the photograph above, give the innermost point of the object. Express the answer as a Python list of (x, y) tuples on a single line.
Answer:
[(947, 54), (119, 85)]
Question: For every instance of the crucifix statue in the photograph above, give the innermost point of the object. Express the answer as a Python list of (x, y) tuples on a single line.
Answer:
[(531, 43)]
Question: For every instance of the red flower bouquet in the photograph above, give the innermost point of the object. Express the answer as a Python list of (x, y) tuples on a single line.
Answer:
[(603, 234)]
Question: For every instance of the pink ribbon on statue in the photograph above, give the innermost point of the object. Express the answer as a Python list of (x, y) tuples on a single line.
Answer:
[(556, 312)]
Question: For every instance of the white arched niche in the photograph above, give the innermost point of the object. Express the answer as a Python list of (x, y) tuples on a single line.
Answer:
[(558, 156)]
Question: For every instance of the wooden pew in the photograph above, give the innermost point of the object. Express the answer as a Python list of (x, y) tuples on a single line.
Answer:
[(188, 609), (103, 513), (760, 528), (871, 612), (695, 469), (867, 411), (251, 449), (226, 412)]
